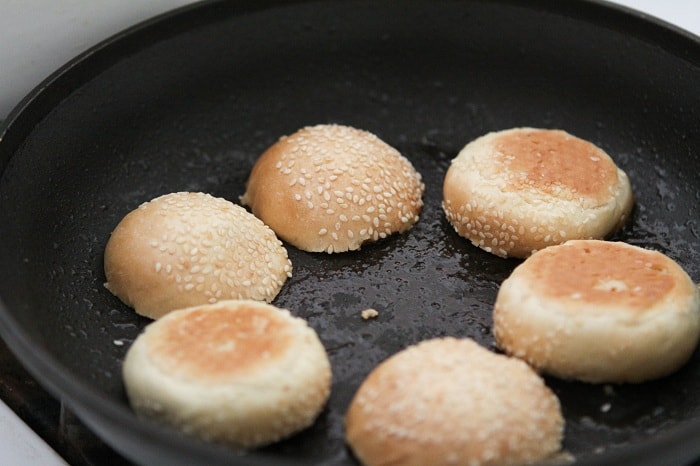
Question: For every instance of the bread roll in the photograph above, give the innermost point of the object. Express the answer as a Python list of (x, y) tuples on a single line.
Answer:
[(241, 373), (517, 191), (448, 401), (599, 311), (184, 249), (332, 188)]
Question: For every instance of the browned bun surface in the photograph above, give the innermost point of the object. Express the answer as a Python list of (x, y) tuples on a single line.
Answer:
[(184, 249), (332, 188), (520, 190), (599, 311), (239, 372), (448, 401)]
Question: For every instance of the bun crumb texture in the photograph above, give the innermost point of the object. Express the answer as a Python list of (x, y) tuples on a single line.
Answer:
[(189, 248), (599, 311), (449, 401), (517, 191), (332, 188), (241, 373)]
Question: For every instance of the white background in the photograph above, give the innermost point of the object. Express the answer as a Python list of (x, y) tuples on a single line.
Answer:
[(38, 36)]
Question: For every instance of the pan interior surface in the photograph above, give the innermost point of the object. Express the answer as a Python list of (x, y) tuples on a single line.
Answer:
[(188, 103)]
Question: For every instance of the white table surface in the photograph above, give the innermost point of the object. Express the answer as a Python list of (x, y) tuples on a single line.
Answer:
[(44, 34)]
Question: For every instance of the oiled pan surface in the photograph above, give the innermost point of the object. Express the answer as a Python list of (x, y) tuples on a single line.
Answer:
[(189, 102)]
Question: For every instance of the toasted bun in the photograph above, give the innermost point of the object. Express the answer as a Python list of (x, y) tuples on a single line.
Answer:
[(184, 249), (332, 188), (451, 402), (242, 373), (599, 311), (520, 190)]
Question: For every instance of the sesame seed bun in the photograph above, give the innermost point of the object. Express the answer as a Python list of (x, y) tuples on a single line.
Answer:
[(332, 188), (239, 372), (599, 311), (449, 401), (517, 191), (184, 249)]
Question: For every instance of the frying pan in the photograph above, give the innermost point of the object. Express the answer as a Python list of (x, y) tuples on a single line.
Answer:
[(187, 101)]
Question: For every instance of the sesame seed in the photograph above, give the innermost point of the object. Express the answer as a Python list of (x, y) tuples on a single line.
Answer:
[(352, 172)]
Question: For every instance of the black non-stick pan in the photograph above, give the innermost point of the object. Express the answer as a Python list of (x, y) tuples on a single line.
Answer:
[(186, 102)]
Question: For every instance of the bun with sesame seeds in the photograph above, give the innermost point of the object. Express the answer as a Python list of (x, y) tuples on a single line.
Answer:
[(241, 373), (332, 188), (184, 249), (517, 191), (449, 401), (599, 311)]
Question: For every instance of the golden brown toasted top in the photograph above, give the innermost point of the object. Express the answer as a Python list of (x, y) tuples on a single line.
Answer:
[(221, 342), (601, 272), (549, 160)]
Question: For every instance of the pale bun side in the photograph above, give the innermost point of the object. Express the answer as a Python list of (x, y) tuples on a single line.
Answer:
[(599, 312), (188, 248), (449, 401), (517, 191), (332, 188), (241, 373)]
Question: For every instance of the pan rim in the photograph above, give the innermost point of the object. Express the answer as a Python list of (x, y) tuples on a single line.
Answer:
[(676, 40), (34, 106)]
